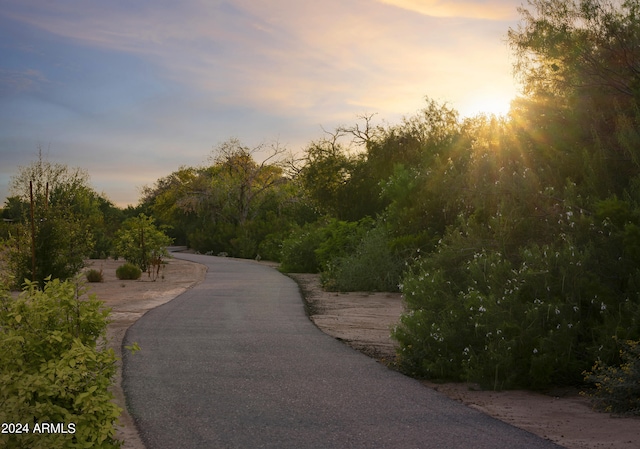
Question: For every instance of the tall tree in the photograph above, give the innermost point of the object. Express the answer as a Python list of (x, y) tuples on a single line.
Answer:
[(581, 59), (56, 234)]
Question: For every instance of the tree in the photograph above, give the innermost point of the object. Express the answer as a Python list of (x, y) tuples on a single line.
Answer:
[(582, 60), (241, 182), (230, 206), (325, 175), (59, 213), (141, 243), (564, 45), (173, 200)]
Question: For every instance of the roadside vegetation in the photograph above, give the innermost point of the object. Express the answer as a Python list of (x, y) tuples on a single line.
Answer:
[(515, 240)]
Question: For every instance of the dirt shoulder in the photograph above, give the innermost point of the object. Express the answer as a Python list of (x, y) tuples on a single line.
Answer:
[(364, 320)]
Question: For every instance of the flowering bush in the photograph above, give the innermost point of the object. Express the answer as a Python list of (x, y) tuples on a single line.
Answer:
[(535, 319)]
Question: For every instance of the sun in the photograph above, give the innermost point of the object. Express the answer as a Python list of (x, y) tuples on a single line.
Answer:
[(490, 103)]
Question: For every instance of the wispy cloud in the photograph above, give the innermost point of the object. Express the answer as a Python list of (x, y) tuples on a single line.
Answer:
[(161, 76), (284, 55), (17, 81), (487, 9)]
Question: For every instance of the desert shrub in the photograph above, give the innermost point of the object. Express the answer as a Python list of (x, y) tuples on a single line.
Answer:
[(270, 248), (95, 276), (617, 388), (298, 251), (371, 266), (128, 271), (534, 320), (313, 247), (55, 367)]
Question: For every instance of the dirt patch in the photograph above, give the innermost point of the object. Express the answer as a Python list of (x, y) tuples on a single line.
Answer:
[(363, 321), (129, 300)]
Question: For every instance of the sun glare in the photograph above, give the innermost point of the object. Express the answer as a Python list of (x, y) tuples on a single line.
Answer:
[(490, 104)]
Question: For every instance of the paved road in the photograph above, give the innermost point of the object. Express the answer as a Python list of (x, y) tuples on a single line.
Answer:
[(235, 363)]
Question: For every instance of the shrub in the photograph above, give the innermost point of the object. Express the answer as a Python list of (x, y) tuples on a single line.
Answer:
[(617, 388), (55, 367), (372, 266), (315, 246), (128, 271), (298, 251), (534, 321), (95, 276)]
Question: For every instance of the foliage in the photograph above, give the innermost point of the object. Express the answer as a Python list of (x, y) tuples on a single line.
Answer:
[(141, 243), (332, 178), (371, 266), (532, 242), (104, 226), (128, 271), (298, 253), (55, 367), (316, 245), (617, 388), (66, 223), (524, 291), (94, 276), (230, 206), (586, 44), (583, 57), (482, 318)]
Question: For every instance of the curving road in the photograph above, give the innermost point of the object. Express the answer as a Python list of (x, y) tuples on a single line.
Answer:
[(235, 363)]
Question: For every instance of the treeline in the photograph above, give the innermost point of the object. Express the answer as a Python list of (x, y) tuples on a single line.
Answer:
[(514, 240)]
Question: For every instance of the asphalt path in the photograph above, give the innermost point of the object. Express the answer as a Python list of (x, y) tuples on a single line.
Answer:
[(235, 363)]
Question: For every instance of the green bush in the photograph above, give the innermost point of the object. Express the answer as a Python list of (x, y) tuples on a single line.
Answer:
[(372, 266), (617, 388), (128, 271), (315, 246), (95, 276), (298, 253), (534, 320), (55, 368)]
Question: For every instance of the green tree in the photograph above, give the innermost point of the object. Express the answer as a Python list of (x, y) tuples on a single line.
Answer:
[(237, 205), (60, 212), (173, 200), (583, 59), (325, 176), (141, 243)]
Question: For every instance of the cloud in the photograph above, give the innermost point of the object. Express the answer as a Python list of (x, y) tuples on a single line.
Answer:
[(161, 78), (17, 81), (284, 55), (488, 10)]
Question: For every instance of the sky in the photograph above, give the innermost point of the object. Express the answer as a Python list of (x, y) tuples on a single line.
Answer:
[(130, 90)]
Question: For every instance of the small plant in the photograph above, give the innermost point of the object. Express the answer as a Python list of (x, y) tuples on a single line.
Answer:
[(128, 271), (617, 388), (95, 276)]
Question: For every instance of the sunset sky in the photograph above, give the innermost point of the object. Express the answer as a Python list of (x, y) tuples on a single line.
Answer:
[(132, 90)]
